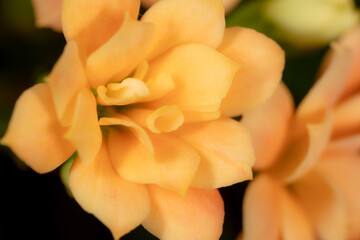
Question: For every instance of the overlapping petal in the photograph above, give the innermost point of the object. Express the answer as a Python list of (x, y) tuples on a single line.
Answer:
[(47, 13), (197, 215), (34, 113)]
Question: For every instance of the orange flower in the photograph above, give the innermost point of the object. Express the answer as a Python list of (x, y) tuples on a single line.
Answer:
[(309, 161), (47, 13), (146, 104)]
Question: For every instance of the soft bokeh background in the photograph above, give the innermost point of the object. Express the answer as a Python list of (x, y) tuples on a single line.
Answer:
[(37, 206)]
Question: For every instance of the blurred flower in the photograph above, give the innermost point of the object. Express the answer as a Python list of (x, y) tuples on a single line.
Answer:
[(146, 105), (309, 161), (47, 13)]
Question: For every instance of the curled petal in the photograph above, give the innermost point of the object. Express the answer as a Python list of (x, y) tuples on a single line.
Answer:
[(262, 62), (102, 20), (65, 81), (34, 133), (172, 165), (324, 204), (268, 125), (159, 86), (47, 13), (117, 203), (201, 76), (119, 56), (174, 27), (131, 90), (84, 131), (197, 215), (225, 149)]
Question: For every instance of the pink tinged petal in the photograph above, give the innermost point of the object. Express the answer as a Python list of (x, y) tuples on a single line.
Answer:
[(324, 204), (162, 120), (261, 210), (84, 131), (129, 91), (34, 133), (350, 145), (118, 204), (343, 170), (172, 165), (139, 132), (302, 154), (101, 21), (197, 215), (65, 81), (262, 62), (201, 76), (119, 56), (225, 149), (48, 13), (347, 117), (268, 125), (174, 27)]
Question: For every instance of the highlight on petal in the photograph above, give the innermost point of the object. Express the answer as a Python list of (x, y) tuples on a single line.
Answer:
[(47, 13), (172, 165), (262, 62), (84, 131), (159, 86), (174, 27), (302, 154), (119, 56), (201, 116), (261, 210), (268, 125), (201, 75), (102, 20), (34, 134), (225, 149), (129, 91), (117, 203), (324, 204), (163, 119), (197, 215), (65, 81)]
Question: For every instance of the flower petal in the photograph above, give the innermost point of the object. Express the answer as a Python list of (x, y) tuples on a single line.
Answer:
[(324, 205), (65, 81), (201, 116), (159, 86), (225, 149), (119, 56), (101, 21), (84, 131), (201, 21), (34, 133), (47, 13), (201, 75), (197, 215), (173, 164), (119, 204), (261, 210), (262, 63), (268, 125), (349, 144)]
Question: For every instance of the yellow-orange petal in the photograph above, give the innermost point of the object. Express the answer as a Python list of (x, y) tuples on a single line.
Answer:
[(139, 132), (347, 117), (84, 131), (118, 204), (65, 81), (102, 19), (201, 116), (200, 21), (129, 91), (348, 145), (225, 149), (324, 204), (197, 215), (172, 165), (268, 125), (34, 133), (302, 154), (201, 75), (159, 86), (119, 56), (261, 210), (343, 169), (262, 62), (164, 119), (47, 13)]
